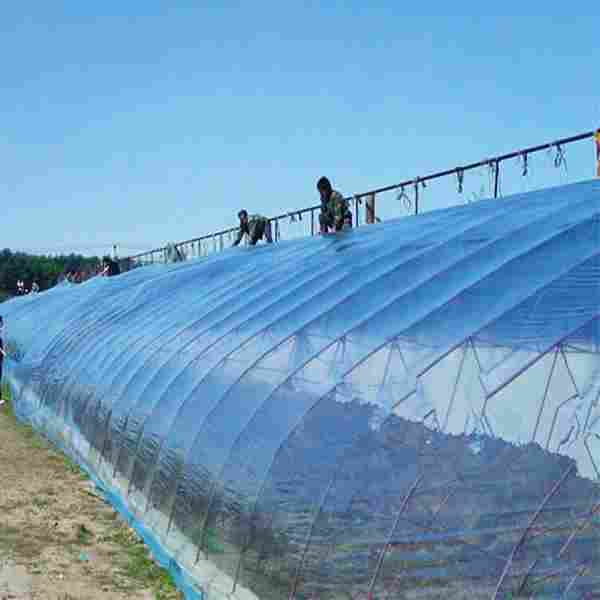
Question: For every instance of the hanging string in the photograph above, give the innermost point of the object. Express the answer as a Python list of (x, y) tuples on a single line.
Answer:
[(460, 175), (405, 199), (357, 204), (524, 164), (491, 174), (559, 158)]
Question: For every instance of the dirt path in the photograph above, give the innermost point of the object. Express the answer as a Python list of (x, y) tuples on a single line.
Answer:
[(58, 540)]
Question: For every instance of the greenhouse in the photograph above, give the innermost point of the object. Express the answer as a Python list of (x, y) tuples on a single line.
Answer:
[(409, 409)]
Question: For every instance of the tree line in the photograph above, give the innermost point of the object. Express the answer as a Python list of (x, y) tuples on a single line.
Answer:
[(45, 270)]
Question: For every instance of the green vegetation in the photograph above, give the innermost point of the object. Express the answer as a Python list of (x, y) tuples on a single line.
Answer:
[(141, 568), (43, 269)]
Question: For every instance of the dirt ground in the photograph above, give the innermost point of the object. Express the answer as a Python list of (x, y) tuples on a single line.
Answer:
[(58, 539)]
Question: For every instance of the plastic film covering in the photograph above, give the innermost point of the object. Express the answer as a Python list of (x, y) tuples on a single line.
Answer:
[(405, 410)]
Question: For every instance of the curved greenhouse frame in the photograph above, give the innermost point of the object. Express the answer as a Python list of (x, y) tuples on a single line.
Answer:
[(407, 408)]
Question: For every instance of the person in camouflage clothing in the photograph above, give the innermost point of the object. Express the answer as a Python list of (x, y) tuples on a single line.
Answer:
[(335, 213), (255, 227)]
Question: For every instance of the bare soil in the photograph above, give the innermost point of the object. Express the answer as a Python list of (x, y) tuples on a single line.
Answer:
[(58, 539)]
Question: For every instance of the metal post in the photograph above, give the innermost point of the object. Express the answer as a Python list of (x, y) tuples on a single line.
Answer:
[(370, 208), (598, 153), (417, 197), (391, 534), (277, 238), (496, 177), (493, 162)]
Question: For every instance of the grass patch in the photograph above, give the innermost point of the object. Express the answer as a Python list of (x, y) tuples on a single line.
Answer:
[(72, 467), (33, 439), (141, 568), (84, 535), (40, 502)]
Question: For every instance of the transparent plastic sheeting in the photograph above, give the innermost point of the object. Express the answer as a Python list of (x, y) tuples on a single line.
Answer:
[(407, 409)]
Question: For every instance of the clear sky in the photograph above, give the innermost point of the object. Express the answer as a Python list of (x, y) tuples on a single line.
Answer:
[(143, 122)]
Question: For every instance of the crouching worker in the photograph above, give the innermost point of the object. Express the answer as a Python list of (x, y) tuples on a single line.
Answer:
[(335, 213), (255, 227)]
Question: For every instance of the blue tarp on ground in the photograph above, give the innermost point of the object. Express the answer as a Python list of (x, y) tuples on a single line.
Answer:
[(410, 407)]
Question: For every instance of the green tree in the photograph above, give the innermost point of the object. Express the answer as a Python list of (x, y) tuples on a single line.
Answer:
[(46, 270)]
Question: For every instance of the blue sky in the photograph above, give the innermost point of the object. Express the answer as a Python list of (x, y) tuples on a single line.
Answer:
[(142, 122)]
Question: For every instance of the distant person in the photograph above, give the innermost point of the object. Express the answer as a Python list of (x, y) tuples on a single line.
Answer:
[(104, 266), (335, 213), (255, 227), (35, 288), (111, 267)]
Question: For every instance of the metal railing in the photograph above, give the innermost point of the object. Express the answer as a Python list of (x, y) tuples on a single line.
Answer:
[(199, 246)]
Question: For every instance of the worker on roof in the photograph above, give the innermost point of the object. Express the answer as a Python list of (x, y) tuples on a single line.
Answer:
[(255, 227), (335, 213)]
